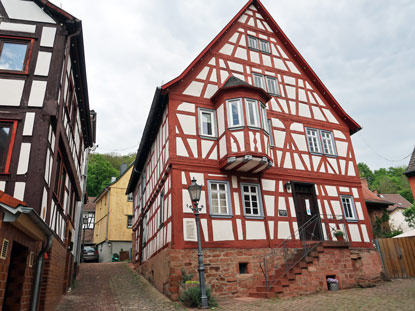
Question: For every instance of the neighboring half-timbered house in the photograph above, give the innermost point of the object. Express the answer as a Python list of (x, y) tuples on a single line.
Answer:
[(254, 125), (45, 127)]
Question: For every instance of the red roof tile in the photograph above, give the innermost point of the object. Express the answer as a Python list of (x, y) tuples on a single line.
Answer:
[(10, 201)]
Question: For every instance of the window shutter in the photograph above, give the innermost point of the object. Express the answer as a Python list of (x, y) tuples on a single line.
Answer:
[(4, 248), (190, 230)]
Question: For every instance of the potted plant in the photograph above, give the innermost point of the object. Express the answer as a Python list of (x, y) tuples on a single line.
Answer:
[(333, 284), (339, 235)]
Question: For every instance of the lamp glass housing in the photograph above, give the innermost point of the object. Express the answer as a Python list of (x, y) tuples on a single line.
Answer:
[(194, 191)]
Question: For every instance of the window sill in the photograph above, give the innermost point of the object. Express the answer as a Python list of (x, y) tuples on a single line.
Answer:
[(241, 127), (352, 220), (254, 128), (220, 216), (254, 217), (208, 137)]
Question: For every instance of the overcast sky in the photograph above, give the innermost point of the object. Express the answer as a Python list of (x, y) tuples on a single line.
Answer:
[(362, 50)]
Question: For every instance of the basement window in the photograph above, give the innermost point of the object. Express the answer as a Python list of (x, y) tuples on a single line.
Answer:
[(243, 268)]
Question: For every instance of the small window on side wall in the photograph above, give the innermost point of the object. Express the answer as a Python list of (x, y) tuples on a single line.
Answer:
[(129, 221), (14, 54), (207, 123), (7, 135), (349, 209)]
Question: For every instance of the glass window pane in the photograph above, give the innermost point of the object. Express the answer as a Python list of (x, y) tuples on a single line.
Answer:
[(207, 123), (12, 56)]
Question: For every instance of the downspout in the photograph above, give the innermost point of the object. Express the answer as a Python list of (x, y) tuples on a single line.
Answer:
[(39, 270)]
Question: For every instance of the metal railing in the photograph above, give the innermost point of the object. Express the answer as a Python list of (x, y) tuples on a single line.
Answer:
[(299, 244)]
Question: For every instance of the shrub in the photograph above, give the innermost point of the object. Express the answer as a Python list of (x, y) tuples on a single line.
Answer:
[(191, 297)]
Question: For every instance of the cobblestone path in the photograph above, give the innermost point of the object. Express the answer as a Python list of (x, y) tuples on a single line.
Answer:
[(114, 286)]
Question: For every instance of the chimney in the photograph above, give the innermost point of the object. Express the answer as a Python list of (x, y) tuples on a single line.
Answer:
[(113, 179), (123, 168)]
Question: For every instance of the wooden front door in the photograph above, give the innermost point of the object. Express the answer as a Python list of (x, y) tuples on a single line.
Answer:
[(306, 208)]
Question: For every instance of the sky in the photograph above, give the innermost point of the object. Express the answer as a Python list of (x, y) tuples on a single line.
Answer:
[(362, 50)]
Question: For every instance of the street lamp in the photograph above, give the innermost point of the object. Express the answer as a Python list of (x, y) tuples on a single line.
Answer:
[(85, 224), (194, 192)]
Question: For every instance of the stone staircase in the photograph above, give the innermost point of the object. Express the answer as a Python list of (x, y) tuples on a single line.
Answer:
[(283, 282)]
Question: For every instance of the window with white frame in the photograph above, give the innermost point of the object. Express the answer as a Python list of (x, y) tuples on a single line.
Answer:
[(264, 118), (321, 141), (91, 220), (251, 198), (219, 198), (253, 42), (129, 221), (252, 116), (207, 123), (271, 135), (130, 197), (258, 80), (264, 45), (161, 210), (272, 85), (348, 207), (328, 143), (313, 140), (235, 115)]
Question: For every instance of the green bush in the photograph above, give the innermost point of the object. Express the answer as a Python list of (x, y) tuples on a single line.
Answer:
[(191, 297)]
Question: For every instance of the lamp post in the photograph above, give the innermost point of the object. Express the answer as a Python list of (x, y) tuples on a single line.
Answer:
[(194, 192), (84, 225)]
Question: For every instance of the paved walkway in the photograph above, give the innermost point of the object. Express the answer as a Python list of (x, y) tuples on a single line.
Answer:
[(114, 286)]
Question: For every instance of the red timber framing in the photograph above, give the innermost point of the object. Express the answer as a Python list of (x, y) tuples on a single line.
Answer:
[(262, 137)]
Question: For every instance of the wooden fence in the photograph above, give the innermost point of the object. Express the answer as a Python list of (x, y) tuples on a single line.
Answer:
[(398, 256)]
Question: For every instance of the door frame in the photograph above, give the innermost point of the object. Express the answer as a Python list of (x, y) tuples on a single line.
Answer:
[(314, 201)]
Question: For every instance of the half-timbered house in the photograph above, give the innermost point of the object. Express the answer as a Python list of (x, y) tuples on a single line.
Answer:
[(45, 127), (255, 126)]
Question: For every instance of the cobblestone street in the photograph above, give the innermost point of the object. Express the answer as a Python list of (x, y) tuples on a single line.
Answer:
[(114, 286)]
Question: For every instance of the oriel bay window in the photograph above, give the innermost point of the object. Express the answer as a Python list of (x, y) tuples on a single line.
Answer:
[(14, 54), (252, 108), (219, 198), (7, 135), (235, 115), (251, 198)]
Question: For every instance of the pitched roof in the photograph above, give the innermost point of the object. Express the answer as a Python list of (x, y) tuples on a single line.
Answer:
[(90, 205), (353, 126), (398, 200), (160, 96), (410, 171), (10, 201), (371, 197)]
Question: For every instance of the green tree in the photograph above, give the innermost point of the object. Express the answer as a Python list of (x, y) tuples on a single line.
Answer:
[(409, 214), (365, 172), (100, 172), (116, 159)]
